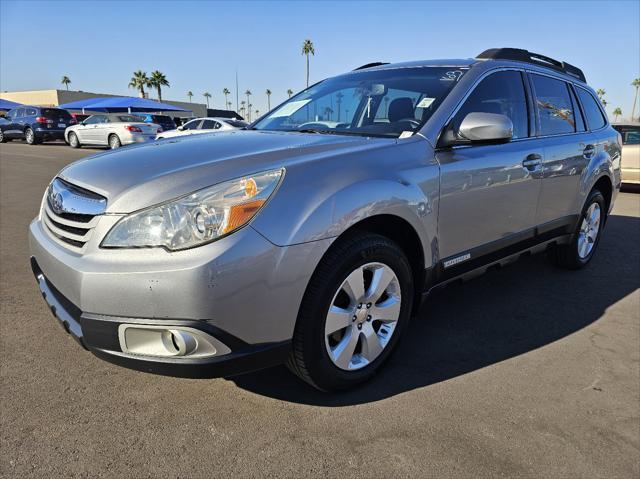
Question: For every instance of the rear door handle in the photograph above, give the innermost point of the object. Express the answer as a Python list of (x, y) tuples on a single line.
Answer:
[(533, 162), (589, 151)]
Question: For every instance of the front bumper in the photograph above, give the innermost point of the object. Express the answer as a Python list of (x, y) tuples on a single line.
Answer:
[(99, 334)]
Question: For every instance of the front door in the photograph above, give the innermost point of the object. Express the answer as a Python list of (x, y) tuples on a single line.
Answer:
[(489, 192)]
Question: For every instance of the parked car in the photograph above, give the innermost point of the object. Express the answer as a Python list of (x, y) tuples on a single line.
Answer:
[(112, 130), (35, 124), (166, 122), (311, 245), (204, 125), (79, 117), (630, 133)]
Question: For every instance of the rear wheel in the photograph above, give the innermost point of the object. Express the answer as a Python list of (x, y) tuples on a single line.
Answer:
[(30, 137), (114, 142), (355, 308), (586, 237), (73, 140), (2, 137)]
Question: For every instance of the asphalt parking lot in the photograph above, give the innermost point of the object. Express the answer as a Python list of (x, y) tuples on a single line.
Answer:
[(525, 372)]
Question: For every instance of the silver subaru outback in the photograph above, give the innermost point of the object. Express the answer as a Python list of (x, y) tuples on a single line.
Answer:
[(310, 237)]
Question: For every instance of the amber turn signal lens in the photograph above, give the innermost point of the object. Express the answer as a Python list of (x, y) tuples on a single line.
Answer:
[(240, 214)]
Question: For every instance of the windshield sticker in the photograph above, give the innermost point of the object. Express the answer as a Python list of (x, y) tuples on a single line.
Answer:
[(425, 102), (451, 76), (290, 108)]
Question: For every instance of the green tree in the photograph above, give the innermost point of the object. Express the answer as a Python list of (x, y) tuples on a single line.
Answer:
[(248, 93), (206, 96), (158, 80), (339, 97), (226, 92), (308, 49), (289, 92), (190, 94), (616, 113), (635, 83), (242, 108), (139, 81), (65, 81), (268, 93)]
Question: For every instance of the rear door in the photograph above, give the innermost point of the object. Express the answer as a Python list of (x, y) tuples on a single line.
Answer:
[(568, 148), (489, 192)]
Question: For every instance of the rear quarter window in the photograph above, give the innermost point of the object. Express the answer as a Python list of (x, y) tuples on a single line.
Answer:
[(592, 112)]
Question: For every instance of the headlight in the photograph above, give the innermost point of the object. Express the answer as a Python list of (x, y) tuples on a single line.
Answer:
[(198, 218)]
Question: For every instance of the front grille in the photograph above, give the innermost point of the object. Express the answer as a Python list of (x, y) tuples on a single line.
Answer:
[(71, 228)]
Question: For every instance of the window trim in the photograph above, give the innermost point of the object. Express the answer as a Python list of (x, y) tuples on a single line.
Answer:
[(537, 110)]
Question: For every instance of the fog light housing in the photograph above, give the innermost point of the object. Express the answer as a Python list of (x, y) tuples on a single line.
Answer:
[(168, 342)]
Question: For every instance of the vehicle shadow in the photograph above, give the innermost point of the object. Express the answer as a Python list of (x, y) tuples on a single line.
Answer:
[(497, 316)]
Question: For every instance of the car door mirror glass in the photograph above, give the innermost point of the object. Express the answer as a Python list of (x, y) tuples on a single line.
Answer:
[(478, 126)]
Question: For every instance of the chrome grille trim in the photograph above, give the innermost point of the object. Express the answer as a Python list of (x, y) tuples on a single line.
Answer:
[(70, 214)]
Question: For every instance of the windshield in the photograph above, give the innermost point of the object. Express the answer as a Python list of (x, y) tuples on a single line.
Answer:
[(386, 103)]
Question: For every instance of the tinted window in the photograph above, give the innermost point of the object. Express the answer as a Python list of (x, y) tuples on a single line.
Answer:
[(161, 119), (20, 112), (56, 113), (95, 119), (30, 112), (208, 125), (127, 118), (592, 112), (192, 125), (555, 110), (237, 123), (580, 126), (502, 93), (630, 134)]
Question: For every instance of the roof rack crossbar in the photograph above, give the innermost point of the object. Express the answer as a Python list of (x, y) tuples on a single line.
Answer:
[(371, 65), (521, 55)]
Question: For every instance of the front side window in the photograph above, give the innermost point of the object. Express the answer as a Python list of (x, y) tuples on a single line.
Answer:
[(502, 93), (94, 119), (595, 118), (555, 110), (192, 125), (384, 103)]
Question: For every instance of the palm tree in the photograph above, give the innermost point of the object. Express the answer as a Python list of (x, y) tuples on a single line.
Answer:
[(65, 81), (257, 113), (189, 94), (242, 103), (226, 93), (289, 92), (139, 80), (206, 96), (158, 80), (635, 83), (228, 105), (339, 97), (601, 93), (307, 48), (268, 93), (328, 112), (604, 103), (616, 113), (248, 93)]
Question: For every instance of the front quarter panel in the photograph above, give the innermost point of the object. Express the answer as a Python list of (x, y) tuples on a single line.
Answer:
[(321, 199)]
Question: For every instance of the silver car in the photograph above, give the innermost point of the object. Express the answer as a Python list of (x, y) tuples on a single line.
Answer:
[(113, 130), (311, 237)]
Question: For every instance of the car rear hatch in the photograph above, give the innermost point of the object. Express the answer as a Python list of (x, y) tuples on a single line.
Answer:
[(56, 119)]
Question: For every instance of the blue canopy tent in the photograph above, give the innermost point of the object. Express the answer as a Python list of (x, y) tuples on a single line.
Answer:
[(8, 105), (119, 104)]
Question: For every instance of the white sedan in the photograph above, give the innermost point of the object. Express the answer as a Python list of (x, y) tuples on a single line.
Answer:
[(204, 125), (112, 130)]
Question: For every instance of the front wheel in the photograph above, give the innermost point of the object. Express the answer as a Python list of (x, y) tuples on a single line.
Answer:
[(355, 308), (586, 237), (114, 142)]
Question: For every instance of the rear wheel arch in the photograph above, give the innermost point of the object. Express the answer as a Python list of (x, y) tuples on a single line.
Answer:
[(605, 186)]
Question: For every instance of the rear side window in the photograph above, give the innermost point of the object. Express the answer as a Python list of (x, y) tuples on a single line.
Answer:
[(595, 118), (208, 125), (30, 112), (503, 93), (555, 110)]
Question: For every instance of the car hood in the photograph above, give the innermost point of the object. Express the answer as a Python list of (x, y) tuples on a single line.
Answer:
[(137, 177)]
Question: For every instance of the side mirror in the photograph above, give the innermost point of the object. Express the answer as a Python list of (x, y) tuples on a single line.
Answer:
[(180, 128), (486, 127)]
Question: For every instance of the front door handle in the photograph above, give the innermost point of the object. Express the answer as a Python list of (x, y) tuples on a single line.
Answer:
[(533, 162), (589, 151)]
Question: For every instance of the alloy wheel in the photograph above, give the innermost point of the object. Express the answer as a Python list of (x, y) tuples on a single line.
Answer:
[(589, 230), (363, 315)]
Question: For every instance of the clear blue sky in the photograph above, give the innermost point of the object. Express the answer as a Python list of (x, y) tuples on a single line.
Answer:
[(199, 44)]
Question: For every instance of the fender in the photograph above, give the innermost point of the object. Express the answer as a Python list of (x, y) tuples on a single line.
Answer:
[(605, 163)]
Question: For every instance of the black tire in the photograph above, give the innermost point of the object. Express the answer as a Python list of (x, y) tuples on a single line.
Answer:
[(309, 358), (568, 256), (73, 140), (30, 137), (114, 141), (3, 138)]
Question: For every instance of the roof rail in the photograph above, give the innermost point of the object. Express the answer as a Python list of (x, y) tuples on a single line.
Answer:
[(371, 65), (530, 57)]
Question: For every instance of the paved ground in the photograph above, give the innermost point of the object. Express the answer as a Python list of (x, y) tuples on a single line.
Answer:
[(525, 372)]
